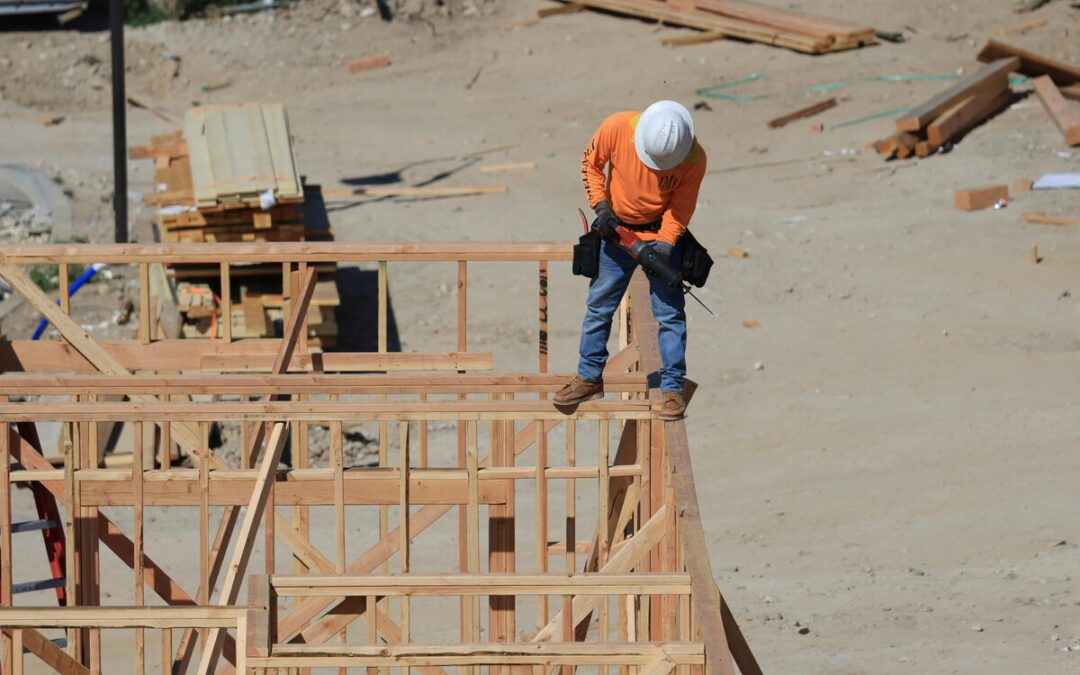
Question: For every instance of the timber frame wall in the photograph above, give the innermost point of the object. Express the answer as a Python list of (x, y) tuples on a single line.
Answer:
[(636, 594)]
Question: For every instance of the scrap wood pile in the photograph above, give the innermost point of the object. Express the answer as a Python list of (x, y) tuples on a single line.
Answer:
[(746, 21), (947, 116), (230, 176)]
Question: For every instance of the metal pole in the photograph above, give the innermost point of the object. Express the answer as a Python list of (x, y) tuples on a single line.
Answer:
[(119, 110)]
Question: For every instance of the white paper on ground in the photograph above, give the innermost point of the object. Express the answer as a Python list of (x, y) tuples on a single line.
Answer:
[(1057, 181)]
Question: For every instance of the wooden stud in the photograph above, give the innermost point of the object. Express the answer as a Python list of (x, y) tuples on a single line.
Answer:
[(64, 284), (8, 654), (226, 302), (144, 303), (137, 539)]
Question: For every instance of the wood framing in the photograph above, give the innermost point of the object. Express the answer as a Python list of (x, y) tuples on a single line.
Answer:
[(619, 569)]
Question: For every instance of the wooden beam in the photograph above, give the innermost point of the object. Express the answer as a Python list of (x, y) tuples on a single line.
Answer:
[(485, 653), (1047, 219), (707, 598), (277, 252), (318, 411), (1065, 115), (989, 76), (1031, 63), (482, 584), (120, 617), (233, 488), (275, 445), (303, 383), (338, 362), (966, 114)]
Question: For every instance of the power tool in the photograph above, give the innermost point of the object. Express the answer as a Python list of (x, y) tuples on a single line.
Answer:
[(649, 258)]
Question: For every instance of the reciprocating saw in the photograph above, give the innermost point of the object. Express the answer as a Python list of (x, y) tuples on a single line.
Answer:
[(649, 258)]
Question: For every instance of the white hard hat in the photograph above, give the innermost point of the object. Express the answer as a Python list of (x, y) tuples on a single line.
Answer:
[(664, 135)]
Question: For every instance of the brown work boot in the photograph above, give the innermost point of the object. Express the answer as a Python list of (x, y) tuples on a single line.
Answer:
[(674, 406), (579, 390)]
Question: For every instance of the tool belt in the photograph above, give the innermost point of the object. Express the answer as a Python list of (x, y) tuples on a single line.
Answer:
[(647, 227)]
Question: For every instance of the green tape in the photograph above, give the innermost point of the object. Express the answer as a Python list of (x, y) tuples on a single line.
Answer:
[(875, 116), (827, 86), (711, 91)]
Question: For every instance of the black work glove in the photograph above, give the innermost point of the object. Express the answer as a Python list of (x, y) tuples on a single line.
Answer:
[(606, 221), (663, 248)]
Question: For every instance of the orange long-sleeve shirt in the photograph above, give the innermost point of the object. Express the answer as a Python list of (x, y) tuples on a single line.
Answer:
[(637, 194)]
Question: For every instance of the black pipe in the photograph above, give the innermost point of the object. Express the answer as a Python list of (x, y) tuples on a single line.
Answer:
[(119, 111)]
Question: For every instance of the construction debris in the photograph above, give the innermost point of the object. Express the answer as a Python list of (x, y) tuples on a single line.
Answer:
[(801, 113), (1022, 28), (951, 113), (1032, 64), (747, 21), (1057, 181), (1065, 115), (507, 166), (977, 198), (1047, 219), (370, 63)]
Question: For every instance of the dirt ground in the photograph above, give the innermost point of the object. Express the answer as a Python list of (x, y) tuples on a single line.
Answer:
[(889, 460)]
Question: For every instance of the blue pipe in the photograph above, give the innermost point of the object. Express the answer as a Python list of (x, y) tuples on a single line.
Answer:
[(75, 286)]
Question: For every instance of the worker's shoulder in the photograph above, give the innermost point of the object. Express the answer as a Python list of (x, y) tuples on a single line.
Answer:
[(625, 120), (696, 159)]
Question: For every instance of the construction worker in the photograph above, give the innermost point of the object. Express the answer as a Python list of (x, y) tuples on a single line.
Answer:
[(641, 171)]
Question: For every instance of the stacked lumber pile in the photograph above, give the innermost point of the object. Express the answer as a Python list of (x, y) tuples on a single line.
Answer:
[(230, 176), (946, 117), (951, 113), (747, 21)]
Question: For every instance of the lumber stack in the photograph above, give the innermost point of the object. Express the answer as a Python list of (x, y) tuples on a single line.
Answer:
[(946, 117), (242, 186), (747, 21)]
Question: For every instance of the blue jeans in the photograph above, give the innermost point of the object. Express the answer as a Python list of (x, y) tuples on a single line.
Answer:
[(605, 293)]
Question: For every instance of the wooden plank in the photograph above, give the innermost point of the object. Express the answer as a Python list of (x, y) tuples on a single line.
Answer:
[(1047, 219), (481, 584), (202, 171), (731, 27), (707, 613), (1071, 91), (318, 411), (303, 383), (790, 20), (485, 653), (263, 176), (286, 173), (802, 113), (1065, 115), (120, 617), (342, 362), (309, 252), (987, 77), (241, 154), (1031, 63), (966, 114)]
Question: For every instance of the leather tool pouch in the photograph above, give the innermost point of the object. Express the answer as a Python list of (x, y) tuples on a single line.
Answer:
[(587, 255), (696, 261)]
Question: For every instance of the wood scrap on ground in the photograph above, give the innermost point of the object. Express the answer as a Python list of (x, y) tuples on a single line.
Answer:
[(747, 21), (801, 113), (1022, 28), (507, 166), (1046, 219), (947, 116), (978, 198), (1032, 64), (692, 39), (143, 102), (1066, 115), (370, 63), (1070, 91)]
